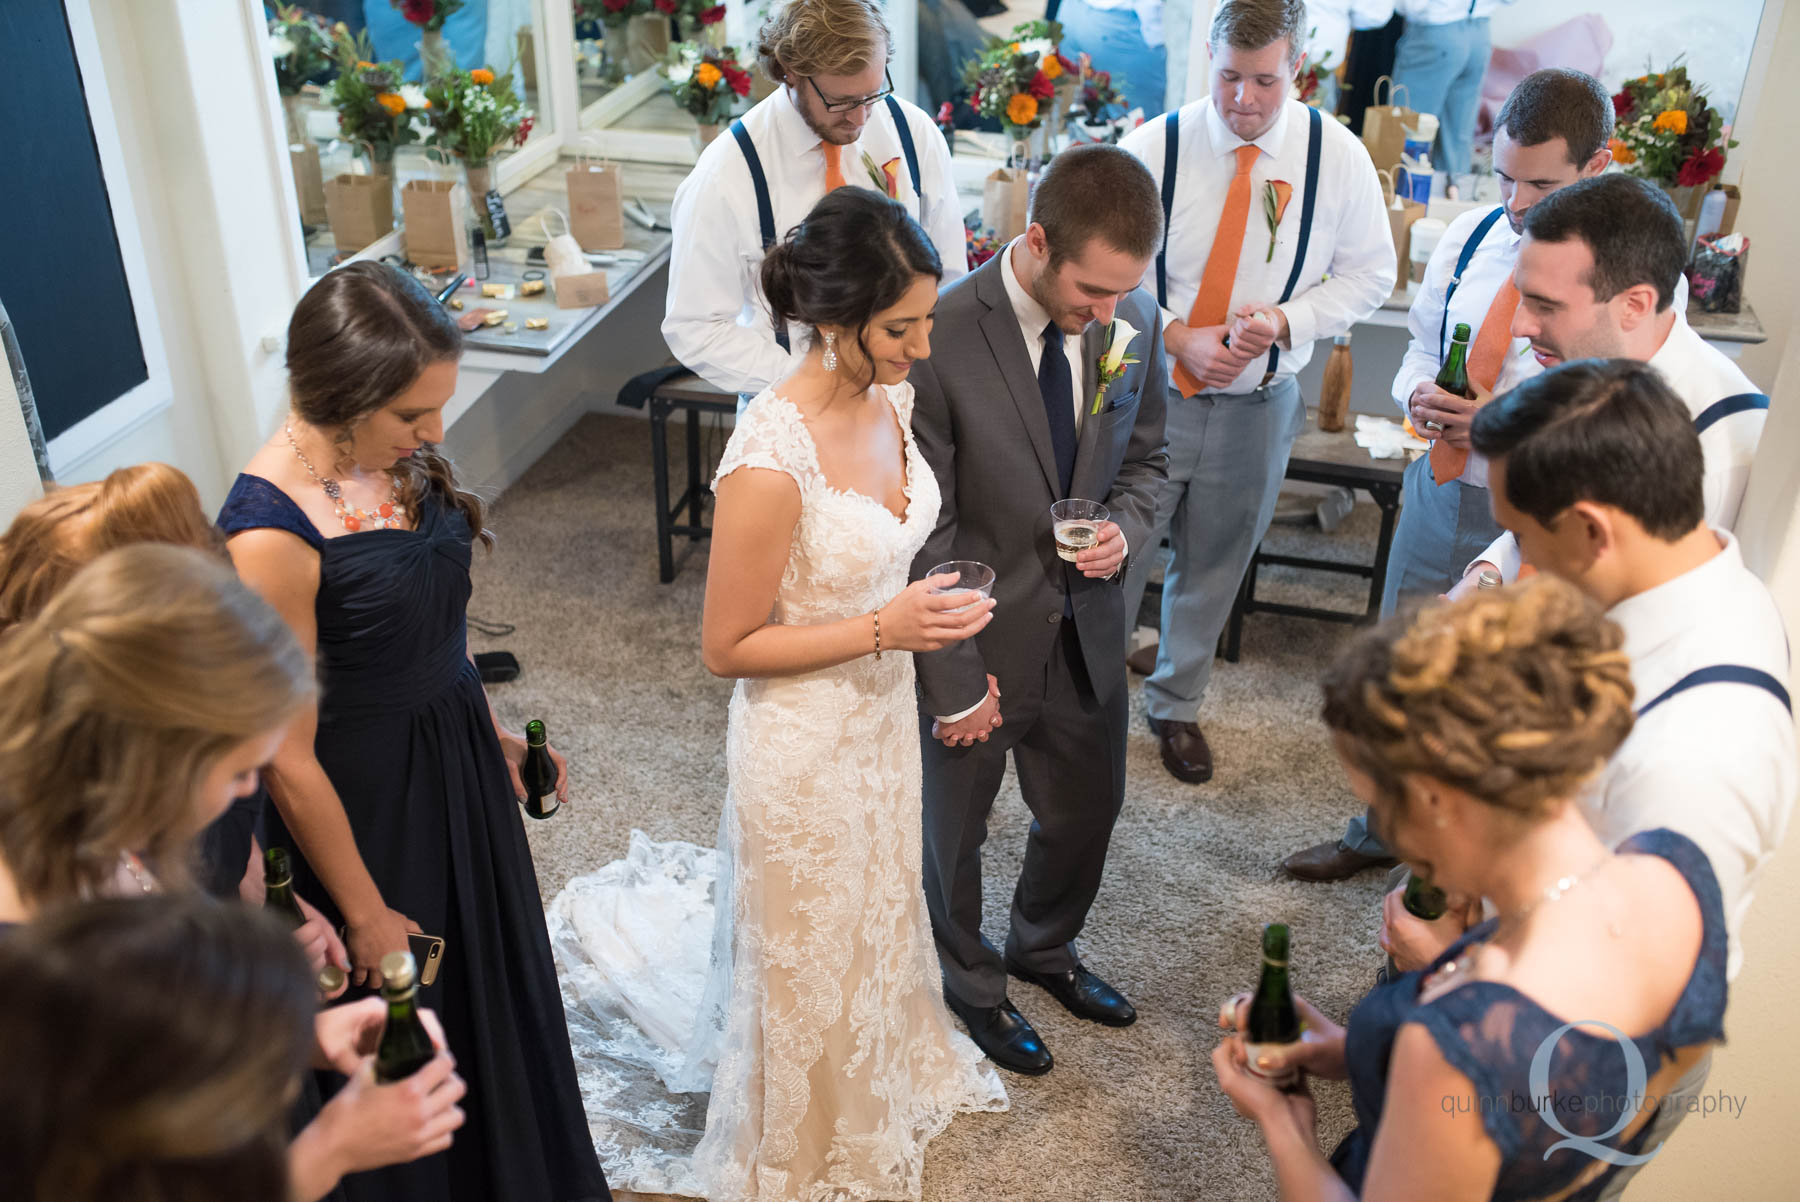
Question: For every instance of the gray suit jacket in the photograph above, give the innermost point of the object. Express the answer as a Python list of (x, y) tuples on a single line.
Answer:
[(978, 418)]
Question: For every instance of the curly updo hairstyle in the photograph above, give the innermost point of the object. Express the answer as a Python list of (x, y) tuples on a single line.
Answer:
[(1514, 696), (853, 256), (358, 339)]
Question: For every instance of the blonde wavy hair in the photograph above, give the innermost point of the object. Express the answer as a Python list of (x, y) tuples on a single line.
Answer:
[(115, 702), (1514, 697), (821, 37), (62, 532)]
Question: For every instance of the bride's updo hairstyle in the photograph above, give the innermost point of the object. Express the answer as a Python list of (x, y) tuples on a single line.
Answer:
[(358, 339), (853, 256)]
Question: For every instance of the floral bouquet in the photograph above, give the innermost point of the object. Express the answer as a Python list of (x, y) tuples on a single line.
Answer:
[(1012, 80), (981, 245), (301, 45), (474, 114), (695, 18), (1666, 132), (375, 105), (706, 81), (1313, 74), (1100, 100), (611, 12), (428, 15)]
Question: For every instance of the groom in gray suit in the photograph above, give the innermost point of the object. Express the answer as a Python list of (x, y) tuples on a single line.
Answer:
[(1026, 401)]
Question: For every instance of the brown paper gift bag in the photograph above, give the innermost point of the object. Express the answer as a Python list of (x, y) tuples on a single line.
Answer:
[(360, 208), (574, 282), (1401, 215), (1006, 202), (435, 214), (309, 183), (596, 204), (1385, 127), (646, 41)]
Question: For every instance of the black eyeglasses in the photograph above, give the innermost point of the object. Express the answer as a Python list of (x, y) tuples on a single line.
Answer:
[(844, 106)]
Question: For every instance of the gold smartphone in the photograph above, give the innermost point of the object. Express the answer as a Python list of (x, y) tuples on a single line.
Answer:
[(427, 950)]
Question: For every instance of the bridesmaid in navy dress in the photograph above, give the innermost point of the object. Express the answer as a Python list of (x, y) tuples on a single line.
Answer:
[(399, 804)]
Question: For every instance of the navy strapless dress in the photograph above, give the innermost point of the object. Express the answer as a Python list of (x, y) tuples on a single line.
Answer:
[(1491, 1033), (406, 738)]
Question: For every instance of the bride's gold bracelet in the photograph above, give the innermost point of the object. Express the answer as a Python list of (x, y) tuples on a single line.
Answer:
[(877, 616)]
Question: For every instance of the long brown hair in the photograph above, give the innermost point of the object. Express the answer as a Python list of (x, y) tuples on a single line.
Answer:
[(149, 1048), (115, 702), (1515, 697), (358, 339), (62, 532)]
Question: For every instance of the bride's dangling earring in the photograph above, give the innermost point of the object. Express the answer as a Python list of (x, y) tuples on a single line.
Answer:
[(829, 359)]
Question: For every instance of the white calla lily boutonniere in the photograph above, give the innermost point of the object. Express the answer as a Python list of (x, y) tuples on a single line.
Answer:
[(1113, 360)]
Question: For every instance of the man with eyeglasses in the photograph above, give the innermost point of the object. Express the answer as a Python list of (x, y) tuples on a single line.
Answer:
[(835, 109)]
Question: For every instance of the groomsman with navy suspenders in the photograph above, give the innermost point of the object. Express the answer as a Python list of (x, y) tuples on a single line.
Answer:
[(835, 106), (1276, 236), (1552, 131)]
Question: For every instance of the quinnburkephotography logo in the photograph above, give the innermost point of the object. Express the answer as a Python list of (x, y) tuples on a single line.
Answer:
[(1551, 1106)]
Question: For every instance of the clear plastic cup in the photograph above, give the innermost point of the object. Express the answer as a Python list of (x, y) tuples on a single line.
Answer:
[(971, 577), (1076, 525)]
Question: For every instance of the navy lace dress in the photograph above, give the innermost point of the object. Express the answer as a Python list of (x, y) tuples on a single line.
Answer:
[(405, 736), (1490, 1033)]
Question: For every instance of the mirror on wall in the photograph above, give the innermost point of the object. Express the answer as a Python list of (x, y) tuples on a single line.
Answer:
[(378, 93), (633, 56)]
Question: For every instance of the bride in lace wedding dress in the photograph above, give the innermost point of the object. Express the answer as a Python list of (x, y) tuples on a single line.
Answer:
[(779, 1000)]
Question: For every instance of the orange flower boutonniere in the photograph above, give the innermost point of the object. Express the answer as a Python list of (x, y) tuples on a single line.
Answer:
[(1276, 194)]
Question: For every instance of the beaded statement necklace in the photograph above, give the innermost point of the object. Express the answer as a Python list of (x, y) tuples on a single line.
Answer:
[(386, 516)]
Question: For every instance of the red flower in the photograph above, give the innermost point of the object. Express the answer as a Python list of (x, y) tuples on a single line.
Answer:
[(946, 113), (713, 16), (616, 6), (666, 7), (1040, 86), (975, 99), (1623, 103), (418, 11), (738, 81), (524, 131), (1105, 78), (1701, 167), (1067, 66)]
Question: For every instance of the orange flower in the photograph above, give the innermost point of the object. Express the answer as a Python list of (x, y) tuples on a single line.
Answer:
[(1022, 109), (392, 102), (362, 65), (708, 76), (1622, 154), (1670, 121), (482, 75), (1051, 66)]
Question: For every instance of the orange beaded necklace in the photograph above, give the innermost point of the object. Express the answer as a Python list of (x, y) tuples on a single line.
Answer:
[(386, 516)]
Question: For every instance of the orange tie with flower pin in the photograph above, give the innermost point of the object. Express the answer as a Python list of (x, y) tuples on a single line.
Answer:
[(834, 165), (1486, 356), (1213, 301)]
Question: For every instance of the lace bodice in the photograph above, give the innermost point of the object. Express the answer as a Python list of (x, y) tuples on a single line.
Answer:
[(850, 554)]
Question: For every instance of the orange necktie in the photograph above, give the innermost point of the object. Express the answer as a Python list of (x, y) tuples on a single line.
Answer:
[(1213, 301), (834, 167), (1486, 356)]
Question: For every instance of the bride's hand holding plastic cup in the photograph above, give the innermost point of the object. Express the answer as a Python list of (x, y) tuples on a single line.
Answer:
[(950, 604)]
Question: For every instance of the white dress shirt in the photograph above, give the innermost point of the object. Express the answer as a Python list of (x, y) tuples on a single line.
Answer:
[(1700, 375), (1716, 762), (1349, 268), (1443, 12), (1332, 21), (716, 321)]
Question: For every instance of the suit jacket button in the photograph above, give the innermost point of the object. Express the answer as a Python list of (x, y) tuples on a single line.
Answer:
[(1054, 619)]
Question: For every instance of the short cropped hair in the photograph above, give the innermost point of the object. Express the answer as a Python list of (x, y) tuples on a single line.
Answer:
[(1630, 225), (1097, 191), (1609, 431), (1254, 24), (1559, 103), (804, 38)]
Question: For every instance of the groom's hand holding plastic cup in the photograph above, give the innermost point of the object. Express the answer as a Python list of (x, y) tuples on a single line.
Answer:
[(1105, 556)]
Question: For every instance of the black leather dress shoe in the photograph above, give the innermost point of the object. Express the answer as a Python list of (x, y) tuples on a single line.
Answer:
[(1082, 994), (1003, 1034)]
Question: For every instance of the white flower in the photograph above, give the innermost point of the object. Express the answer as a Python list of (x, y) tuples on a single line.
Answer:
[(1118, 339), (1042, 47), (679, 73), (414, 95), (279, 45)]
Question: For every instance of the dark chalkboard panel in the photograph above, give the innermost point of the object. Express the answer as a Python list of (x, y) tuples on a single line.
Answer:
[(60, 272)]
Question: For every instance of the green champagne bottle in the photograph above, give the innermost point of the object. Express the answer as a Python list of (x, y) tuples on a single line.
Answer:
[(1274, 1023), (405, 1045), (1423, 899), (538, 772), (1453, 376), (278, 896)]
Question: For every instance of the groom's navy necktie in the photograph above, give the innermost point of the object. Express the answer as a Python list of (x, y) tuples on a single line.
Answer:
[(1059, 404)]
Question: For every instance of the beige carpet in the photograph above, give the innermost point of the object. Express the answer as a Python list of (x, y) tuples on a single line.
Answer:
[(612, 664)]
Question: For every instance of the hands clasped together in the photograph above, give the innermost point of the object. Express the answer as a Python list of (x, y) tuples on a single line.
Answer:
[(1217, 355)]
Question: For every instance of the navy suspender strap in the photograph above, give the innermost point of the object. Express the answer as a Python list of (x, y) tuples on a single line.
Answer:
[(765, 207), (1313, 138), (1724, 674), (908, 149), (1462, 265), (1743, 402), (1171, 158)]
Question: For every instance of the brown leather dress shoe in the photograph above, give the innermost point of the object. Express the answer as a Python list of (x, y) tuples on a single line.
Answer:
[(1332, 861), (1143, 660), (1184, 750)]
